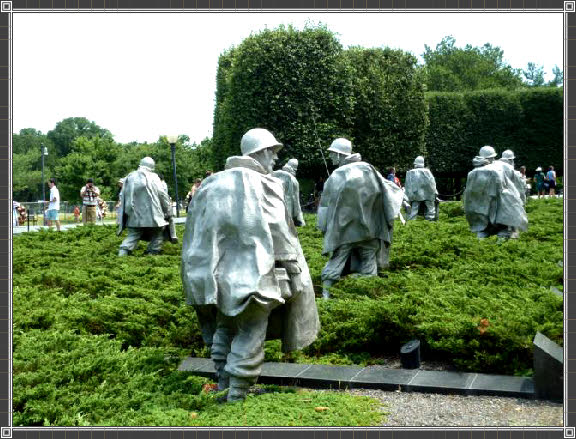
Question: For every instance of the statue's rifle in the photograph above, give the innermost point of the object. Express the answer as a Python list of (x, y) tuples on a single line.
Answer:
[(318, 140)]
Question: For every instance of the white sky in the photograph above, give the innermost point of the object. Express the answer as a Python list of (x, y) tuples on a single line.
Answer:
[(145, 75)]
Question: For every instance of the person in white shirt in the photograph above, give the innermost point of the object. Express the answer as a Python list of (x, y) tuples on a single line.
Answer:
[(54, 205)]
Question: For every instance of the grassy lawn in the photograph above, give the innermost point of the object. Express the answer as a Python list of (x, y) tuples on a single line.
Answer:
[(97, 339)]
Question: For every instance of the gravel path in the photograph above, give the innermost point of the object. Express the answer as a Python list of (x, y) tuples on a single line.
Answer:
[(426, 409)]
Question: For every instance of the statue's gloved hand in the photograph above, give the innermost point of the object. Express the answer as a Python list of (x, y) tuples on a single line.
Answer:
[(295, 273)]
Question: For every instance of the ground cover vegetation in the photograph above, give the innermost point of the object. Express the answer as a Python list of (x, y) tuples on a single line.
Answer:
[(97, 339), (388, 105)]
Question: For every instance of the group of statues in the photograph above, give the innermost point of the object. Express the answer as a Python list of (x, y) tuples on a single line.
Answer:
[(243, 269), (495, 196)]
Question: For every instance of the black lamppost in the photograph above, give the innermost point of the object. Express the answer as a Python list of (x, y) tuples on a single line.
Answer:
[(172, 141), (43, 152)]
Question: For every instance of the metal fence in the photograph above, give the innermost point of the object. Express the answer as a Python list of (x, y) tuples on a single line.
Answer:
[(35, 212)]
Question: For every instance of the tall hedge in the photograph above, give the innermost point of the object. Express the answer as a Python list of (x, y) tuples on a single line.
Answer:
[(390, 110), (307, 90), (527, 121), (294, 83)]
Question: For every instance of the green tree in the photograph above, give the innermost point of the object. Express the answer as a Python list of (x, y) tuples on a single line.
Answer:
[(27, 164), (67, 130), (89, 158), (390, 109), (558, 79), (534, 75), (450, 68)]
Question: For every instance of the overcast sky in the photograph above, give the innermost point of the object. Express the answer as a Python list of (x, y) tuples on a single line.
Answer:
[(145, 75)]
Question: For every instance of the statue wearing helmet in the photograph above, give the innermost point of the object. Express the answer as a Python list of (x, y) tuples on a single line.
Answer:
[(144, 209), (420, 189), (492, 201), (291, 190), (356, 215), (243, 269)]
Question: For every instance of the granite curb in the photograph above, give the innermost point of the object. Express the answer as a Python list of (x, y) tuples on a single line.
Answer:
[(380, 377)]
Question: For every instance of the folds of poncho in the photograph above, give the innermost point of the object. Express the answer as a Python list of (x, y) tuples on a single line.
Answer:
[(357, 204), (291, 195), (237, 228), (143, 202), (491, 197), (420, 185)]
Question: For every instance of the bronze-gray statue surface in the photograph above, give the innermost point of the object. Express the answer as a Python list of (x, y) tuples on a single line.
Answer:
[(492, 202), (356, 215), (420, 189), (144, 209), (291, 191), (243, 269)]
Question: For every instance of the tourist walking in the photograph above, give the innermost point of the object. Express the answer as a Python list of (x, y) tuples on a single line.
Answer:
[(53, 205)]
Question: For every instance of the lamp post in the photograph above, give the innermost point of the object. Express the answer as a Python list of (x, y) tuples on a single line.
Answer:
[(172, 141), (43, 152)]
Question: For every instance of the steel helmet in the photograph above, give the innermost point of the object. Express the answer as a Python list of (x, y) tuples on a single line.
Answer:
[(508, 154), (258, 139), (147, 162), (291, 164), (487, 152), (342, 146), (419, 161)]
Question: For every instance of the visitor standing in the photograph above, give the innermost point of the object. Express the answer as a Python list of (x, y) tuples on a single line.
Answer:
[(525, 179), (551, 176), (539, 179), (89, 194), (192, 192), (54, 205)]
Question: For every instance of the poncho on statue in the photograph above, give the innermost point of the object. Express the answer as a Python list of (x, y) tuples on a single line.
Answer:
[(291, 196), (491, 197), (237, 231), (143, 202), (357, 204), (420, 185)]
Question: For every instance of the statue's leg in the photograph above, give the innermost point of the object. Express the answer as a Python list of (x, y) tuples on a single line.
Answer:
[(368, 251), (430, 210), (130, 242), (333, 268), (415, 205), (503, 233), (156, 241), (244, 362), (221, 344)]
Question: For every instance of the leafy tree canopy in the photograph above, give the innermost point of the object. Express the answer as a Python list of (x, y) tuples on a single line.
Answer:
[(67, 130), (450, 68)]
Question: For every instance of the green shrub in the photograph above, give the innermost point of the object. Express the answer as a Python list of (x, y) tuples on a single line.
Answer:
[(528, 121)]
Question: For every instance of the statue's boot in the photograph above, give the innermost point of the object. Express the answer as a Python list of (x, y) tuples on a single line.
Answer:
[(326, 286), (238, 389), (222, 375)]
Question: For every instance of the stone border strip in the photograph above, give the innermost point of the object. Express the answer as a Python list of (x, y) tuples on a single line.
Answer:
[(379, 377)]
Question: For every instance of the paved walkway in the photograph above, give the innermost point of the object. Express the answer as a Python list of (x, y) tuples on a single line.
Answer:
[(22, 229), (379, 377)]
